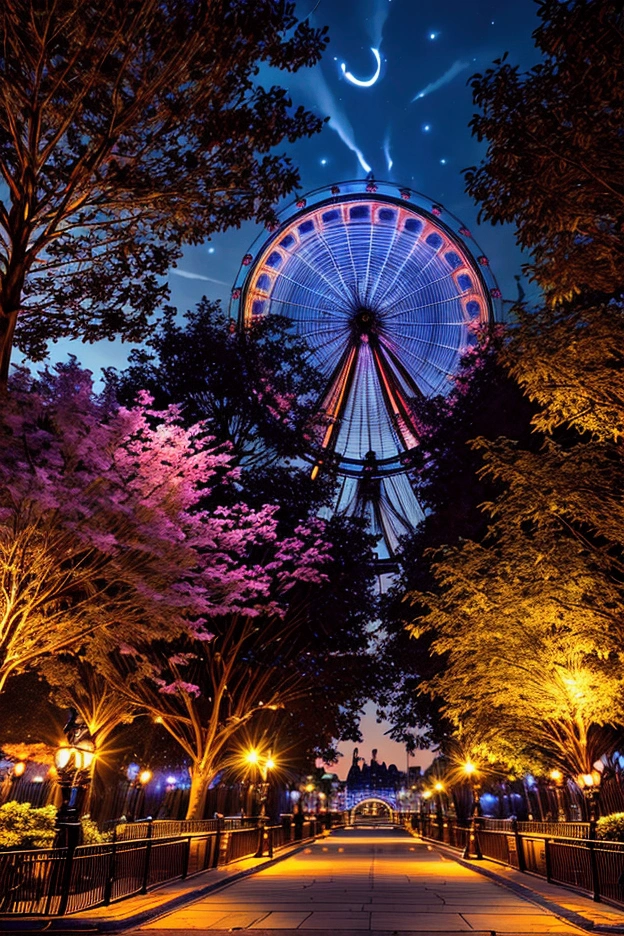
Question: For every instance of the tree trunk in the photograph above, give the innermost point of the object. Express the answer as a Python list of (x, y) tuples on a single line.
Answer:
[(200, 780), (7, 330)]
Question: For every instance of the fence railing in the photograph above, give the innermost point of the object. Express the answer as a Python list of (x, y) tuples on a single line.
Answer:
[(58, 881), (574, 860)]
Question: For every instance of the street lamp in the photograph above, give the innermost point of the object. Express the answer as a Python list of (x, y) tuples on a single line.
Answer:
[(264, 765), (73, 764), (557, 779), (473, 848), (590, 786), (438, 789)]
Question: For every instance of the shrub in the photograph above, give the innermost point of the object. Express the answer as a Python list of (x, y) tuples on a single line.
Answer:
[(91, 835), (611, 828), (21, 826)]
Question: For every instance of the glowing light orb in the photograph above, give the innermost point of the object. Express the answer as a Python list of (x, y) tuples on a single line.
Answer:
[(359, 82)]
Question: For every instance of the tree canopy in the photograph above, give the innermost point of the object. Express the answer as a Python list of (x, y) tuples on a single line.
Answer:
[(555, 154), (527, 618), (103, 525), (255, 389), (129, 128)]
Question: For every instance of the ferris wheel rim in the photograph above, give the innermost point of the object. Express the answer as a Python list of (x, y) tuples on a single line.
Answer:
[(405, 202)]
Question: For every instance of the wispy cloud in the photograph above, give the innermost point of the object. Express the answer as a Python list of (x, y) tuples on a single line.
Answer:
[(186, 274), (446, 78), (377, 20)]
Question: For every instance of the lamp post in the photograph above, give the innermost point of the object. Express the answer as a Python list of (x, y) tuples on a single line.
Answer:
[(73, 761), (590, 786), (438, 789), (264, 766), (137, 781), (557, 780), (473, 848)]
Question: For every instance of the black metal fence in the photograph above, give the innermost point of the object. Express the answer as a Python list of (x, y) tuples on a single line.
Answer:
[(57, 881), (562, 853)]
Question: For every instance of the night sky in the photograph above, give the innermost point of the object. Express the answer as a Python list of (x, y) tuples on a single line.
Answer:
[(429, 49)]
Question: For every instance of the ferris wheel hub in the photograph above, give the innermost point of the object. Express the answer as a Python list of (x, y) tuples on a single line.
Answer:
[(365, 323)]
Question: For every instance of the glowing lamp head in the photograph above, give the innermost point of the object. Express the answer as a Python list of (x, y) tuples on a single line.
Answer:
[(62, 757), (439, 787), (252, 756), (19, 769), (145, 776), (427, 794), (556, 775), (270, 764), (84, 754), (309, 788), (469, 769)]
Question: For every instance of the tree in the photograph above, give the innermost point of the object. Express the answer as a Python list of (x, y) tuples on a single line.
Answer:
[(528, 617), (555, 157), (102, 525), (206, 692), (299, 668), (127, 130), (483, 402), (530, 641), (255, 389)]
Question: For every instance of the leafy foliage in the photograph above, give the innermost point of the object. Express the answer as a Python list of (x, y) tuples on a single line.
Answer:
[(21, 826), (128, 129), (555, 157), (611, 828), (484, 402), (104, 503), (254, 389)]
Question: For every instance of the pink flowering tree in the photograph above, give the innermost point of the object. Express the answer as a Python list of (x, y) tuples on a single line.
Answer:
[(103, 525), (209, 690)]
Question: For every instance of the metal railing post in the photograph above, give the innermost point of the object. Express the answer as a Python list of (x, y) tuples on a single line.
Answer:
[(519, 845), (110, 877), (187, 858), (148, 853), (593, 864), (547, 857)]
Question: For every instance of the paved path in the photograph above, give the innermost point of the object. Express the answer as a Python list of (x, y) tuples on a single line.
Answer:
[(375, 880)]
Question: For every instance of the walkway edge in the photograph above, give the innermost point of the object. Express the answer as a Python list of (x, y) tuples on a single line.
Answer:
[(521, 890), (78, 924)]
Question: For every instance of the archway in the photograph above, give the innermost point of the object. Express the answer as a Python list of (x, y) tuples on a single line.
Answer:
[(373, 810)]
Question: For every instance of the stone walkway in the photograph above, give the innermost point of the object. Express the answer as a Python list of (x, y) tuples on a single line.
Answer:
[(380, 881)]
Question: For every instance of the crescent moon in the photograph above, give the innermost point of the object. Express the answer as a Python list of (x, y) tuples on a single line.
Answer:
[(359, 82)]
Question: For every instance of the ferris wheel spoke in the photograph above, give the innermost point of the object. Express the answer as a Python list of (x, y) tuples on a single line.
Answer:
[(379, 277), (356, 284), (311, 308), (300, 256), (414, 292), (406, 259), (388, 304), (368, 264), (423, 365), (419, 340), (294, 282), (428, 305), (347, 290)]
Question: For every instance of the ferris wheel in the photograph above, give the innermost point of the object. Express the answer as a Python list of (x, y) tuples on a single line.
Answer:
[(388, 291)]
